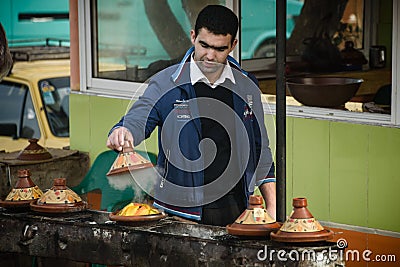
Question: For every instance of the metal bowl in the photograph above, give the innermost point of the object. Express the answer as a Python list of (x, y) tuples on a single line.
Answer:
[(323, 91)]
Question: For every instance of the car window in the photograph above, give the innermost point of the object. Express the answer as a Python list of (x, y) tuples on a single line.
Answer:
[(17, 114), (55, 95)]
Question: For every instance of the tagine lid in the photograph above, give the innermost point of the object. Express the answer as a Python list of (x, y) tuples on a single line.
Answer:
[(128, 160), (34, 151), (254, 221), (24, 192), (301, 226), (59, 199)]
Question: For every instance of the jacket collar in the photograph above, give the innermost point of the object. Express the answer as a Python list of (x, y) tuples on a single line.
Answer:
[(183, 68)]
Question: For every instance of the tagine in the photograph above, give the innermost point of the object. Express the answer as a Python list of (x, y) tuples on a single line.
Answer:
[(59, 199), (301, 226), (24, 192), (34, 152), (254, 221), (137, 212)]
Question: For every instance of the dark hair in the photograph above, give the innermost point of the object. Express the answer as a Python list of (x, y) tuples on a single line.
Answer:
[(218, 20)]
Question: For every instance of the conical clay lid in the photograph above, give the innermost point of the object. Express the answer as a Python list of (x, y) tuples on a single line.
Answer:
[(254, 221), (301, 226), (128, 160), (34, 151)]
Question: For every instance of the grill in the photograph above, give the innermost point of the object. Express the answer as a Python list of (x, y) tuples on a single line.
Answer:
[(89, 236)]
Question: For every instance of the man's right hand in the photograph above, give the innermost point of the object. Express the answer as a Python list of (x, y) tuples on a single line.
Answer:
[(118, 137)]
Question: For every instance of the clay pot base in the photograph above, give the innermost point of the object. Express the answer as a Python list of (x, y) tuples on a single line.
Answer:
[(134, 220), (252, 229), (58, 208), (323, 235), (16, 205)]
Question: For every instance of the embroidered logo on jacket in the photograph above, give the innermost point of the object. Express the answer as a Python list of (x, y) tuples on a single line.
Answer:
[(181, 110), (248, 108)]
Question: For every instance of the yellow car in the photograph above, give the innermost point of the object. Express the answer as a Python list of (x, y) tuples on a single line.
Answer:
[(34, 103)]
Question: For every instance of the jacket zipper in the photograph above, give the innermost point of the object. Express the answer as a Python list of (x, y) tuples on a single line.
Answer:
[(166, 169)]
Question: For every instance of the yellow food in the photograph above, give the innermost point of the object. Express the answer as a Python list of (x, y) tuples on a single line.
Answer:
[(137, 209)]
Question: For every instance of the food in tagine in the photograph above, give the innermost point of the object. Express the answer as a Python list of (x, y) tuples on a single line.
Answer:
[(137, 209)]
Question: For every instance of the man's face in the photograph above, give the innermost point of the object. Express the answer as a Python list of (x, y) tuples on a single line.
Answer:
[(211, 50)]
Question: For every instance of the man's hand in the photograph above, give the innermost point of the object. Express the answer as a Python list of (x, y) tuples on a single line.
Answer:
[(118, 137), (268, 191)]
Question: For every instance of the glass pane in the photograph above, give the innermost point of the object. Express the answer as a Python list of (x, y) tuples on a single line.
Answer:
[(12, 99), (259, 26), (351, 25), (135, 39), (258, 36), (55, 94), (30, 126)]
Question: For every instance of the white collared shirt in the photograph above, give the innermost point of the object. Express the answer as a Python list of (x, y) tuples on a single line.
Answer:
[(197, 75)]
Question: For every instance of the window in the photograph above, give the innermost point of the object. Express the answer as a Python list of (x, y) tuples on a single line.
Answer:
[(17, 114), (131, 41), (361, 24), (55, 95), (127, 41)]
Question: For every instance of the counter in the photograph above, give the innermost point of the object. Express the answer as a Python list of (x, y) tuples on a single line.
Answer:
[(89, 236)]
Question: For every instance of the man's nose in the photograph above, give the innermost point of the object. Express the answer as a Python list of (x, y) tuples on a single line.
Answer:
[(211, 54)]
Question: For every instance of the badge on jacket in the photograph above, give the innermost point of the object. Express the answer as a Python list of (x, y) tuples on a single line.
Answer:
[(248, 108), (181, 110)]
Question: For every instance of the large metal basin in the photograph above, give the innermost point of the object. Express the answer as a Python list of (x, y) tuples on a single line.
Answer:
[(323, 91)]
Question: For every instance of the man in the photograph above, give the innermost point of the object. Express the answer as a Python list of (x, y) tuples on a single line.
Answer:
[(213, 145)]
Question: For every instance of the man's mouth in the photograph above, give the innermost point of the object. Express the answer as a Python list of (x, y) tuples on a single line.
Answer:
[(209, 64)]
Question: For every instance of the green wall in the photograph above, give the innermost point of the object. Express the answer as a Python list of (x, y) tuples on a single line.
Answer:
[(92, 117), (348, 172)]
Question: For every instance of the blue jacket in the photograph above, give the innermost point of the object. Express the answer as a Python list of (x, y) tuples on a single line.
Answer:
[(169, 102)]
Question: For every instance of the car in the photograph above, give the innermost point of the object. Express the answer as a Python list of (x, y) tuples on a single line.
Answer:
[(34, 98)]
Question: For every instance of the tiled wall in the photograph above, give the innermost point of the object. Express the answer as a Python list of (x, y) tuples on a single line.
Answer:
[(350, 173)]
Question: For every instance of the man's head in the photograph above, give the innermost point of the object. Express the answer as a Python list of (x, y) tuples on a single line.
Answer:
[(217, 20), (213, 39)]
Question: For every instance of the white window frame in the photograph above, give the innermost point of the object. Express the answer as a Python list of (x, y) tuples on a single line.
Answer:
[(124, 89), (348, 116), (107, 87)]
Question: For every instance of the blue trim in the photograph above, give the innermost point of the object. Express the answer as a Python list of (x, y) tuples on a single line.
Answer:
[(267, 180), (234, 62), (178, 213), (181, 65)]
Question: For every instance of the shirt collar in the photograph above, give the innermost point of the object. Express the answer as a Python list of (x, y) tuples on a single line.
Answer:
[(196, 75)]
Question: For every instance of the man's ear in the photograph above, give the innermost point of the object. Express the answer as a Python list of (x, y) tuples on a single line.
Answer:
[(235, 41), (193, 36)]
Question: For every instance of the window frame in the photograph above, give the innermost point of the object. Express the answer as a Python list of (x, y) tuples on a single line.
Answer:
[(370, 34), (101, 86), (124, 89)]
